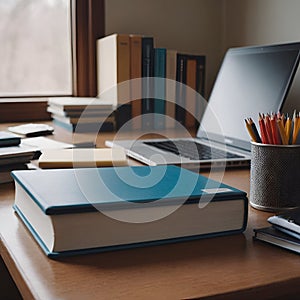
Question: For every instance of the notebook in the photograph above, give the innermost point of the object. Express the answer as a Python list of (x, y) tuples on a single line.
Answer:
[(250, 80)]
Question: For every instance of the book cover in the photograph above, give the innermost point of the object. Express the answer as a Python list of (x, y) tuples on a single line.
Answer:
[(92, 210), (147, 86), (159, 87), (32, 129)]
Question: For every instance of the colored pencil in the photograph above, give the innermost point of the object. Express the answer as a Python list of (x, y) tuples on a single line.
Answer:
[(250, 131), (263, 131), (284, 139), (274, 129)]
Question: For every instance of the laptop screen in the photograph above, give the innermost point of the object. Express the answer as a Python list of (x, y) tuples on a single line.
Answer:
[(251, 80)]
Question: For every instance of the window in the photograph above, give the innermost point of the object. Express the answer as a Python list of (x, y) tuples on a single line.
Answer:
[(47, 48), (35, 48)]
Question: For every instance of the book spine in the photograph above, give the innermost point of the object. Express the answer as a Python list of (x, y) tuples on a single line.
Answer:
[(190, 97), (147, 88), (135, 85), (200, 84), (180, 89), (107, 67), (113, 68), (123, 77), (122, 116), (123, 67), (159, 87), (191, 73), (171, 59)]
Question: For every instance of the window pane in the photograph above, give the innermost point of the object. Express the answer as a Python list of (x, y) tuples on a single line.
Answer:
[(35, 48)]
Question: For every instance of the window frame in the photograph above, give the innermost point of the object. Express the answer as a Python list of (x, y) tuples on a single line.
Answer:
[(87, 25)]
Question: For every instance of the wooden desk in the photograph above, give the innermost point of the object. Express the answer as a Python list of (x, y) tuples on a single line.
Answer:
[(219, 268)]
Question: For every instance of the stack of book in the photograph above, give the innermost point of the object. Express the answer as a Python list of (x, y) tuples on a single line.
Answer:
[(284, 232), (82, 114), (12, 155), (121, 58)]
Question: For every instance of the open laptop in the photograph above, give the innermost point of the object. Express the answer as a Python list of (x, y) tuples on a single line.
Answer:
[(250, 80)]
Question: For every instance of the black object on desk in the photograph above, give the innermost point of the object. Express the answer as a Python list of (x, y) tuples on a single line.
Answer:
[(9, 139)]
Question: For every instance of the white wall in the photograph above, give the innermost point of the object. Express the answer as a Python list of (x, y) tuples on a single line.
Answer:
[(210, 27), (189, 26), (251, 22)]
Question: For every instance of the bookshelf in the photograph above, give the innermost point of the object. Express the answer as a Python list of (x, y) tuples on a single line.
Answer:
[(137, 76)]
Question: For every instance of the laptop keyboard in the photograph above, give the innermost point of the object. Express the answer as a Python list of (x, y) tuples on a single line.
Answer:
[(192, 150)]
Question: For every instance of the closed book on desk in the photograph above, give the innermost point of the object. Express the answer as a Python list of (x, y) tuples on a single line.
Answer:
[(80, 104), (86, 127), (54, 110), (9, 139), (80, 158), (100, 119), (17, 154), (72, 211), (288, 222), (278, 238)]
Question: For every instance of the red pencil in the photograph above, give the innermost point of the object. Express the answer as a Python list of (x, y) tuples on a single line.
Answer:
[(269, 129), (275, 132), (263, 131)]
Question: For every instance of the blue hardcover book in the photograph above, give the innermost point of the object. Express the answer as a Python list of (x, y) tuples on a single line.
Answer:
[(159, 87), (73, 211)]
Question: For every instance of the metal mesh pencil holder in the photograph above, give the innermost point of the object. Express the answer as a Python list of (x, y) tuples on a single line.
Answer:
[(275, 177)]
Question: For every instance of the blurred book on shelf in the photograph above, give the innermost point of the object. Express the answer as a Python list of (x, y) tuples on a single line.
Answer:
[(121, 57)]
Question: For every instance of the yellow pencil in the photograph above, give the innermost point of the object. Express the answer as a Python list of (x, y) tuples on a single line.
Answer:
[(250, 130), (295, 130), (283, 136), (288, 127)]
